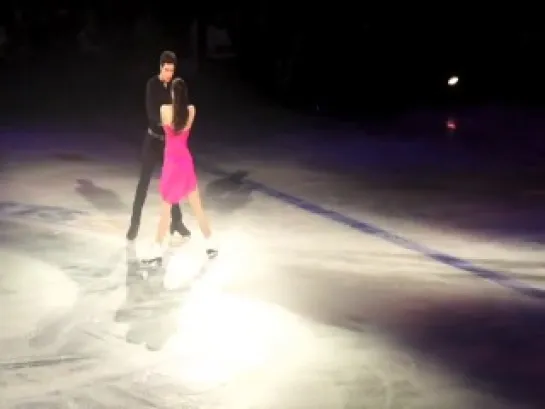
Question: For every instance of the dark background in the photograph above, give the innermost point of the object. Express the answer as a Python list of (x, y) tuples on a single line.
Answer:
[(343, 60)]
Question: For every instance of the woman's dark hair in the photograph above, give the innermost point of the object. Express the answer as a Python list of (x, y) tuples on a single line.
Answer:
[(180, 102)]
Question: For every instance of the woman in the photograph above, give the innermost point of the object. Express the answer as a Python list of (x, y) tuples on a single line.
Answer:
[(178, 180)]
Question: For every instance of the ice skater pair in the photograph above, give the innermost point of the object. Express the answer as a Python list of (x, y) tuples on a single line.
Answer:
[(170, 117)]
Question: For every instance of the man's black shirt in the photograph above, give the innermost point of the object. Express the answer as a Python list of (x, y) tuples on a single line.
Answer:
[(157, 94)]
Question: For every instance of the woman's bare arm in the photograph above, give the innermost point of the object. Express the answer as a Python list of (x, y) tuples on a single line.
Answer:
[(166, 114), (190, 117)]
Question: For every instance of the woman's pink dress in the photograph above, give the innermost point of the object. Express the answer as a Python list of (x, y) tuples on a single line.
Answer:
[(178, 178)]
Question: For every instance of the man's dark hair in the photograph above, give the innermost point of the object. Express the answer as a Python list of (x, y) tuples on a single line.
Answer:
[(167, 57)]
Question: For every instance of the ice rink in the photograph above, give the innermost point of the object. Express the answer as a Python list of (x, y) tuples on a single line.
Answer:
[(335, 287)]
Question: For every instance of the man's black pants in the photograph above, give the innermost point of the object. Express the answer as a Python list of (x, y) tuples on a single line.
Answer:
[(152, 155)]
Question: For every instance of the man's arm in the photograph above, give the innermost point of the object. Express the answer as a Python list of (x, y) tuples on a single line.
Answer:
[(152, 107)]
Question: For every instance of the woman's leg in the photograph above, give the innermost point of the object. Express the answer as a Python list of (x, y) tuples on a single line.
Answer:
[(195, 202), (164, 220), (162, 230)]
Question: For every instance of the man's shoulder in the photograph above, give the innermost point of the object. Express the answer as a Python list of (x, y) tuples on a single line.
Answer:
[(152, 80)]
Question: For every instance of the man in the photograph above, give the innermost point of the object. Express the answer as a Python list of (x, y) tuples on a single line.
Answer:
[(157, 94)]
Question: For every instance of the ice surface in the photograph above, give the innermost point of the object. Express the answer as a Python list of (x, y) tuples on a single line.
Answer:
[(298, 311)]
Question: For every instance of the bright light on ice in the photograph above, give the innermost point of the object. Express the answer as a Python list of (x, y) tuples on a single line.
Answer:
[(220, 337)]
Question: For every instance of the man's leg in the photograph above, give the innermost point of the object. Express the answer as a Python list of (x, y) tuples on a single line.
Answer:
[(176, 224), (149, 159)]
